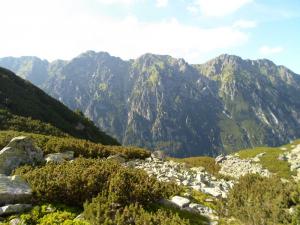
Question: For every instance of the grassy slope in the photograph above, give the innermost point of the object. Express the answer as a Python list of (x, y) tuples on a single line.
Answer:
[(203, 161), (270, 159), (23, 100)]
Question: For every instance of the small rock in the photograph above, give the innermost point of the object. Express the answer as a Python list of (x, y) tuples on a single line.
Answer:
[(201, 209), (14, 209), (282, 157), (180, 201), (212, 191), (118, 158), (256, 159), (292, 210), (15, 221), (260, 155), (185, 182), (59, 157), (197, 187), (80, 217), (199, 177), (220, 158), (159, 155)]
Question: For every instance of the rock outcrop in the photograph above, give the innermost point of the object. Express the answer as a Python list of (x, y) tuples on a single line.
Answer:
[(13, 189), (293, 157), (19, 151)]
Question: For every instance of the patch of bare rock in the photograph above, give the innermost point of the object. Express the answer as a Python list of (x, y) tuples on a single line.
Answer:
[(196, 178), (233, 166), (293, 158)]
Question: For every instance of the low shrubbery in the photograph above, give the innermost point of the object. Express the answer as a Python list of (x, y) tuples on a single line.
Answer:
[(112, 193), (75, 182), (51, 215), (52, 144), (257, 200), (102, 210)]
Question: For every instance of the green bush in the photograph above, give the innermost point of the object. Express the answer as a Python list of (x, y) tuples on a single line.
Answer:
[(129, 185), (104, 211), (88, 149), (50, 214), (258, 200), (73, 183)]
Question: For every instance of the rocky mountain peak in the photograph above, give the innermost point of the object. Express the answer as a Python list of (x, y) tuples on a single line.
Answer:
[(161, 102), (148, 60)]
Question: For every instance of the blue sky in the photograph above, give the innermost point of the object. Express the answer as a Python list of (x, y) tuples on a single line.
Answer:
[(196, 30)]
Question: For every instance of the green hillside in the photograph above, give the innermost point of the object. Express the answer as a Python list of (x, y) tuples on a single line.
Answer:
[(24, 107), (270, 159)]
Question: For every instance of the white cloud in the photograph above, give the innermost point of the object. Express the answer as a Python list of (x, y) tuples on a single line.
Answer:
[(267, 50), (244, 24), (192, 8), (161, 3), (218, 8), (112, 2), (35, 31)]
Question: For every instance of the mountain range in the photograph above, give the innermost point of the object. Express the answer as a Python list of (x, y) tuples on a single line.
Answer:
[(160, 102)]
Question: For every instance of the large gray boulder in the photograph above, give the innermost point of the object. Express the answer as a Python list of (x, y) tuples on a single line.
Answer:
[(19, 151), (14, 209), (13, 189)]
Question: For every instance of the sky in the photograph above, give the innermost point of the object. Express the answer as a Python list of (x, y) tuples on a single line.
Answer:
[(196, 30)]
